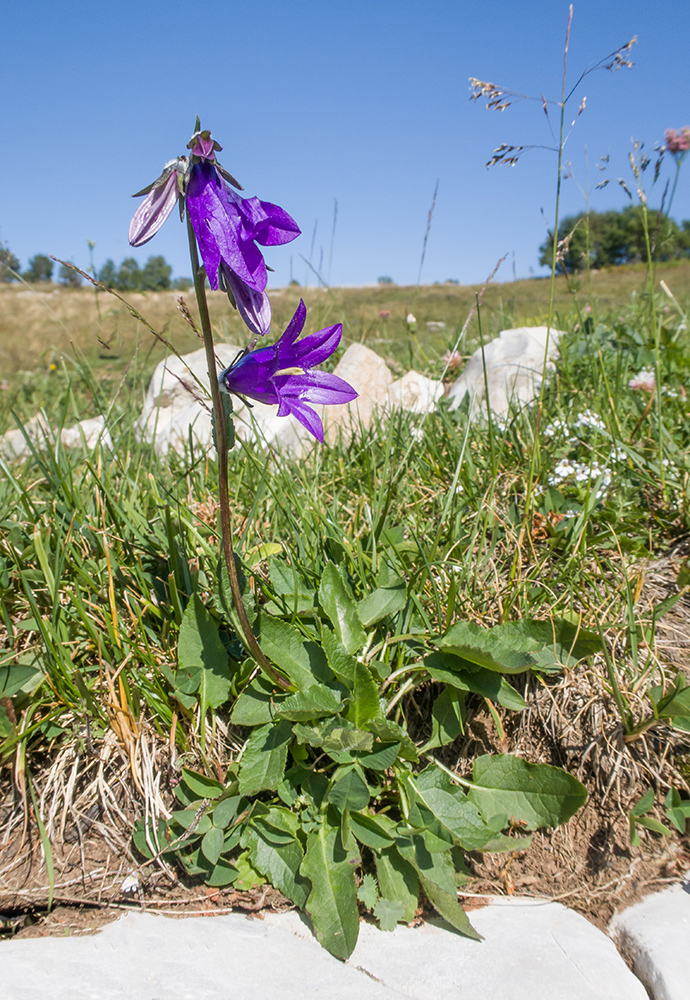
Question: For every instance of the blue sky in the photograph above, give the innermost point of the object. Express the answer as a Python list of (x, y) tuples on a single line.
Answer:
[(363, 101)]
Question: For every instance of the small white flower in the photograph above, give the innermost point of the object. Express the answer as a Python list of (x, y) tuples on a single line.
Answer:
[(131, 883), (411, 319), (590, 419), (645, 379)]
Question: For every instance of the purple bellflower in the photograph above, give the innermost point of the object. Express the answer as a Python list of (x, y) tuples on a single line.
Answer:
[(228, 227), (283, 373)]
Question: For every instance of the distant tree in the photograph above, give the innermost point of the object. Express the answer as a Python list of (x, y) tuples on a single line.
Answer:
[(8, 264), (108, 274), (68, 276), (294, 283), (155, 275), (40, 269), (129, 276), (182, 284), (385, 280), (608, 239)]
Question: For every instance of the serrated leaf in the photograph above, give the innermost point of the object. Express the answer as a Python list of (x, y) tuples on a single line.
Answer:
[(365, 698), (212, 844), (257, 704), (398, 880), (334, 734), (264, 757), (332, 902), (315, 702), (337, 602), (368, 892), (383, 601), (349, 792), (389, 912), (537, 794), (279, 863), (199, 645), (301, 660), (340, 661)]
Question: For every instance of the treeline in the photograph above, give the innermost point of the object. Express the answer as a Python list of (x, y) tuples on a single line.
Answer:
[(609, 239), (154, 276)]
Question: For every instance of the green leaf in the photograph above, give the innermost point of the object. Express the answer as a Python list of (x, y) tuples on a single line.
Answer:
[(15, 677), (315, 702), (297, 596), (199, 786), (644, 804), (388, 731), (486, 648), (365, 698), (370, 831), (447, 718), (247, 875), (301, 660), (279, 863), (199, 645), (398, 880), (677, 809), (437, 875), (257, 704), (381, 757), (538, 794), (464, 676), (340, 661), (222, 873), (332, 902), (149, 841), (212, 844), (337, 602), (264, 757), (383, 601), (368, 892), (389, 912), (678, 705), (555, 644), (350, 792), (225, 811), (334, 734)]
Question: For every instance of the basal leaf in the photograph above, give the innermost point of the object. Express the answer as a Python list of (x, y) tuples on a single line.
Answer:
[(17, 677), (388, 731), (437, 875), (398, 880), (383, 601), (332, 902), (257, 704), (338, 603), (301, 660), (199, 645), (350, 792), (370, 831), (380, 757), (340, 661), (447, 668), (447, 718), (280, 864), (264, 757), (537, 794), (334, 734), (200, 786), (486, 648), (212, 844), (315, 702), (365, 698)]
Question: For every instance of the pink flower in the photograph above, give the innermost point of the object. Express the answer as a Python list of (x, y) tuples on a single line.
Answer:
[(385, 314), (645, 380), (678, 142)]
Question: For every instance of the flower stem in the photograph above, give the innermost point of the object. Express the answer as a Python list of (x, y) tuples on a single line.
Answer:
[(222, 452)]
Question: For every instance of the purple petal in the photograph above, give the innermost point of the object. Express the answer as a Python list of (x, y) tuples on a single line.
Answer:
[(293, 329), (270, 225), (318, 387), (254, 307), (153, 211), (307, 417), (251, 376), (317, 347)]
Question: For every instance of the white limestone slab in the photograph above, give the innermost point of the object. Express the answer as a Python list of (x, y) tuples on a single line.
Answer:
[(654, 936), (146, 957), (531, 951)]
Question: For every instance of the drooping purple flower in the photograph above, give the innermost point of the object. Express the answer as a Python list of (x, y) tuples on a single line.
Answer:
[(161, 198), (283, 373), (228, 227)]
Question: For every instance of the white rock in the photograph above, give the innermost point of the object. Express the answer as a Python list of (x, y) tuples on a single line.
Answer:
[(13, 443), (147, 957), (415, 392), (531, 951), (87, 433), (370, 377), (654, 937), (514, 364)]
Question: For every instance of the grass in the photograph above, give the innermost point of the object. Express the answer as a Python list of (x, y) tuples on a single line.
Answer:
[(102, 553)]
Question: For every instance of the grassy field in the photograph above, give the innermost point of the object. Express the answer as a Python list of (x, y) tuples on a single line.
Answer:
[(443, 598)]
